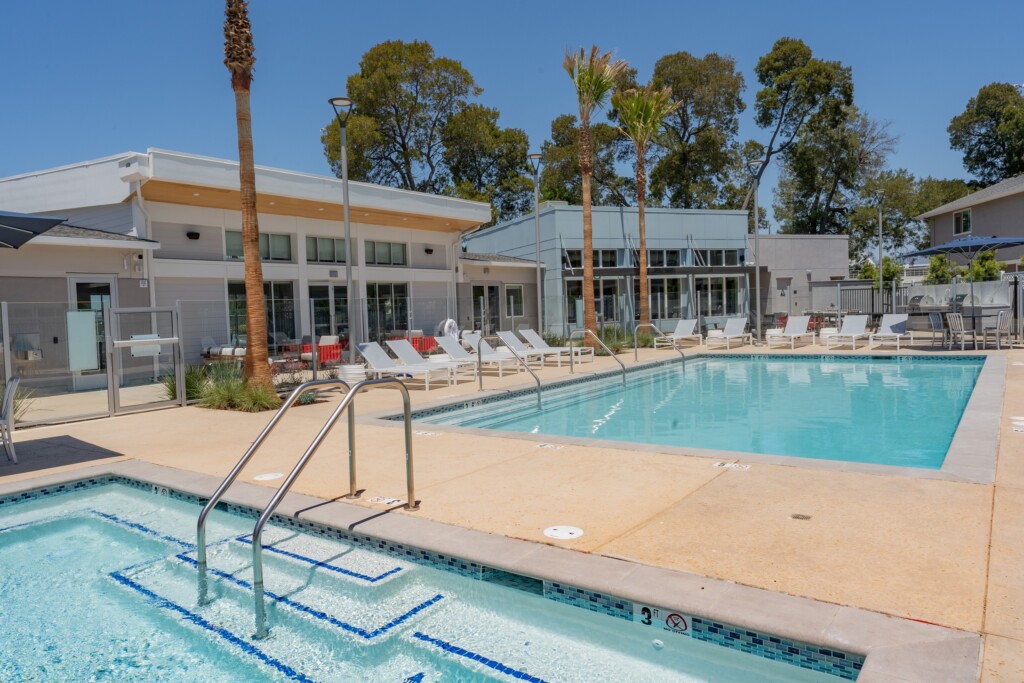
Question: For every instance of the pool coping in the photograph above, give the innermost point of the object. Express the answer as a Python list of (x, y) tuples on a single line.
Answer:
[(971, 457), (896, 649)]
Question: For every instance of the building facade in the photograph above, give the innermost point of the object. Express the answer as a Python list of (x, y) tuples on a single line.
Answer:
[(996, 210)]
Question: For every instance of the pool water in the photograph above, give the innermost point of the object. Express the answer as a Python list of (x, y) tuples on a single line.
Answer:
[(101, 585), (885, 410)]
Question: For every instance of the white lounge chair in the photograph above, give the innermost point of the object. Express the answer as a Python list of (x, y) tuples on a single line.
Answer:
[(854, 327), (487, 352), (892, 329), (7, 417), (408, 354), (686, 330), (382, 365), (796, 328), (735, 330), (453, 347), (537, 342), (524, 351)]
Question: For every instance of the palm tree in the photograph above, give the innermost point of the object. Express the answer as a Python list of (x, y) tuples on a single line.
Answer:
[(641, 113), (594, 76), (239, 57)]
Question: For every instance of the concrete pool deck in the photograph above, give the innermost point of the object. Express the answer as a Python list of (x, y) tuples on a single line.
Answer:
[(940, 551)]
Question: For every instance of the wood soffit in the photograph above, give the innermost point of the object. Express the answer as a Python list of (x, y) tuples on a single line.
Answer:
[(222, 198)]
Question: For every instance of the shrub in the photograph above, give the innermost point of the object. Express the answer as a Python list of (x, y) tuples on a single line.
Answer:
[(226, 390), (195, 382), (644, 340), (22, 400)]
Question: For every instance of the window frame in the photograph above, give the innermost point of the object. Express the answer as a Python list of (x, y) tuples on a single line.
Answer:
[(393, 249), (518, 307), (958, 217)]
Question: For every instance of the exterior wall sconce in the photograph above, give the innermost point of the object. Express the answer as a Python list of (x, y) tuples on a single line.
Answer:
[(192, 235), (428, 250)]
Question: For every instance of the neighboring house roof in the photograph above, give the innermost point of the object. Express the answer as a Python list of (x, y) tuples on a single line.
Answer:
[(497, 258), (74, 236), (1006, 188)]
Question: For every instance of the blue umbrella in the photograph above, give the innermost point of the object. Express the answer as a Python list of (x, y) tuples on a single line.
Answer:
[(969, 247), (18, 228)]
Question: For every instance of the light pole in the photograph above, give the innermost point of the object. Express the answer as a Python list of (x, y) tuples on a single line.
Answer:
[(535, 161), (344, 105), (881, 303), (754, 167)]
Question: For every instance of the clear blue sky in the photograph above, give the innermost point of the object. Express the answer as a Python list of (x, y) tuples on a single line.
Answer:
[(82, 80)]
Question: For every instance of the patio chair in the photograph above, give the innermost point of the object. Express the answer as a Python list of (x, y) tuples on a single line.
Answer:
[(892, 328), (524, 351), (453, 347), (328, 350), (537, 342), (796, 328), (686, 330), (854, 327), (1000, 331), (381, 365), (7, 418), (408, 354), (957, 331), (735, 330), (937, 327)]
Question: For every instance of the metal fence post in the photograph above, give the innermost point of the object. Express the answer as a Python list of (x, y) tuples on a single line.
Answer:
[(5, 340)]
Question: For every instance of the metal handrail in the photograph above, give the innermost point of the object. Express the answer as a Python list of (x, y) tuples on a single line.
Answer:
[(636, 350), (230, 479), (522, 361), (586, 331), (257, 533)]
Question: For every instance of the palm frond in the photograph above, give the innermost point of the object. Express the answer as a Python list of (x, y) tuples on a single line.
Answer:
[(593, 75), (643, 112)]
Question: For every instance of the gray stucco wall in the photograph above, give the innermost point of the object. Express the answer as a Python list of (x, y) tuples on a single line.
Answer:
[(794, 261), (1001, 217)]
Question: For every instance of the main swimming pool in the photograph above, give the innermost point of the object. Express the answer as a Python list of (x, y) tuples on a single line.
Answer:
[(100, 584), (889, 410)]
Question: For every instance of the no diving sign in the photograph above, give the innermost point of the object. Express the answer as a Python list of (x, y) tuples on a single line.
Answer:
[(666, 620)]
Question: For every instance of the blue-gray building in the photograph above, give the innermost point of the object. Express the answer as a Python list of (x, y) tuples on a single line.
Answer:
[(698, 265)]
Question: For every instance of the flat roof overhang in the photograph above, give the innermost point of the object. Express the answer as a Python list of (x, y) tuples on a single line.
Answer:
[(190, 194)]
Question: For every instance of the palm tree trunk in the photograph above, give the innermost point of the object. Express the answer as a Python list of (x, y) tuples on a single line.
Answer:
[(257, 367), (586, 168), (641, 198)]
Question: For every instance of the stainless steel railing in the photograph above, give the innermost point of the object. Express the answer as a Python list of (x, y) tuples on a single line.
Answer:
[(522, 361), (262, 631), (585, 331), (636, 349)]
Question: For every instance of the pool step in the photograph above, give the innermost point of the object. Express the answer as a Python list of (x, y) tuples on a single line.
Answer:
[(306, 644)]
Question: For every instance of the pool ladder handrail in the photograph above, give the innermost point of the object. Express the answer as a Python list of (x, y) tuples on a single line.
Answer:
[(636, 349), (248, 455), (262, 631), (585, 331), (522, 361)]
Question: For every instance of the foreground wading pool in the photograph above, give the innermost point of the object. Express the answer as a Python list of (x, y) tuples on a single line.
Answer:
[(884, 410), (99, 583)]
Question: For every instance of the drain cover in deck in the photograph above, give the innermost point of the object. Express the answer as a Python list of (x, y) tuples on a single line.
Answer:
[(563, 533)]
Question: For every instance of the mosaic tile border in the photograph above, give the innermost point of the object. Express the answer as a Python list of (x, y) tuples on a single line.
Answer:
[(844, 665)]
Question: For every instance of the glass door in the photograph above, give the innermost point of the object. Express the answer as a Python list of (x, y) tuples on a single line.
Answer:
[(86, 334), (486, 308)]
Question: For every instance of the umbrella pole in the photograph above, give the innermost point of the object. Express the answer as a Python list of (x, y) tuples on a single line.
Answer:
[(974, 308)]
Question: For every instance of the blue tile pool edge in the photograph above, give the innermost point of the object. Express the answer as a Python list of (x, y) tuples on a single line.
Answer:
[(838, 663)]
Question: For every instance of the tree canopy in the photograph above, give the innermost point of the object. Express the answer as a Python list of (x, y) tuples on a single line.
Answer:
[(414, 125), (561, 179), (990, 133)]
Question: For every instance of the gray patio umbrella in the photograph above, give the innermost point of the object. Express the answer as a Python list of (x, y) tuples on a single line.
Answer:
[(969, 247), (18, 228)]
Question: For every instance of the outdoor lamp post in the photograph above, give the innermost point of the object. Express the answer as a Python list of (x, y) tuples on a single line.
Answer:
[(535, 161), (881, 301), (342, 108), (754, 167)]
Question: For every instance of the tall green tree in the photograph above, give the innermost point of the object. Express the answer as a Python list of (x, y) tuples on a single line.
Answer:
[(641, 116), (561, 178), (699, 144), (798, 89), (826, 170), (239, 58), (593, 75), (990, 133), (488, 163), (941, 270)]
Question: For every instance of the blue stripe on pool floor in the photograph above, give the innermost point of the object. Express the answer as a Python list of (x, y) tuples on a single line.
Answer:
[(317, 614), (142, 528), (468, 654), (242, 644), (322, 563)]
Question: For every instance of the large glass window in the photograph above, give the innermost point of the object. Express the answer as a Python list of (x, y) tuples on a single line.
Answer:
[(387, 306), (272, 247), (962, 221), (605, 258), (655, 258), (385, 253), (514, 301), (330, 310), (325, 250), (573, 258), (280, 303), (719, 295)]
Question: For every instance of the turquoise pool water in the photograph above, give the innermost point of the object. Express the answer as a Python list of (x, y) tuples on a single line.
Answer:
[(892, 411), (100, 585)]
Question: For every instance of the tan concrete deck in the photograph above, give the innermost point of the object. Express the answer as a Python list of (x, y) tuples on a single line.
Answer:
[(938, 551)]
